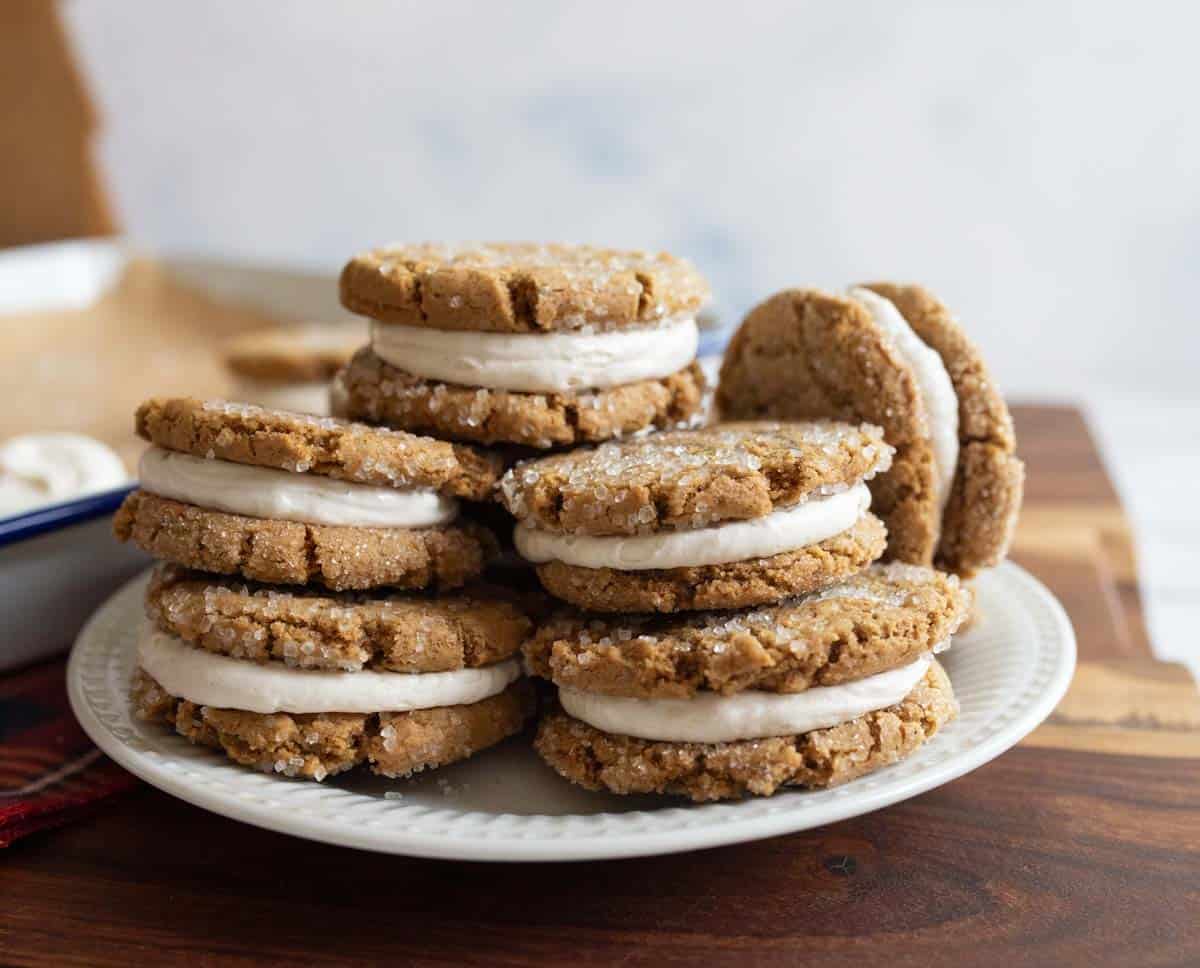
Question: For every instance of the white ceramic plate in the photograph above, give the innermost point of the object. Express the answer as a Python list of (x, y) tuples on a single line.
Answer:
[(1009, 671)]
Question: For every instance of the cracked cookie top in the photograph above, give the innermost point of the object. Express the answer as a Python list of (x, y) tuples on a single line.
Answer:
[(313, 628), (692, 478), (520, 287), (884, 618), (278, 439)]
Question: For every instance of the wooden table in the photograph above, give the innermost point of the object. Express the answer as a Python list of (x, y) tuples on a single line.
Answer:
[(1080, 846)]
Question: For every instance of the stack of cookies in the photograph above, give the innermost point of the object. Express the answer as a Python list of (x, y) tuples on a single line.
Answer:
[(538, 346), (726, 625), (780, 655), (269, 634)]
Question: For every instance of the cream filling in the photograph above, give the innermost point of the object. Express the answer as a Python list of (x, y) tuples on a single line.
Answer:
[(713, 718), (933, 383), (208, 679), (783, 530), (37, 469), (263, 492), (297, 396), (539, 362)]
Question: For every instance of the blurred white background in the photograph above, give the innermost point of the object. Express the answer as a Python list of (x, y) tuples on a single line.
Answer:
[(1035, 162)]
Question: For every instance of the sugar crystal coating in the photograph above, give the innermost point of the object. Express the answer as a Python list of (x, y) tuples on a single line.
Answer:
[(349, 631), (519, 286), (373, 390), (692, 478), (887, 616), (302, 443), (288, 552), (715, 771)]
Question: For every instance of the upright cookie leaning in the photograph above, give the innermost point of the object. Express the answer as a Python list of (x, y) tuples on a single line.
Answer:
[(291, 499), (536, 345), (895, 356), (725, 517), (811, 692)]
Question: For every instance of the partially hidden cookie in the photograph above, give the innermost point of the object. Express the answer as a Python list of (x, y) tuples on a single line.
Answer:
[(313, 629), (283, 498), (885, 617), (297, 553), (374, 391), (597, 759), (324, 446), (535, 345), (291, 367), (723, 517), (892, 355)]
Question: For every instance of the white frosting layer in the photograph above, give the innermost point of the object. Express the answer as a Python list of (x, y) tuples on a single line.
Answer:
[(933, 383), (539, 362), (216, 680), (37, 469), (263, 492), (713, 718), (296, 397), (783, 530)]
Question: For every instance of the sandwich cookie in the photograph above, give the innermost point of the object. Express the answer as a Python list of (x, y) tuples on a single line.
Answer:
[(311, 683), (723, 517), (536, 345), (290, 499), (291, 367), (811, 692), (895, 356), (406, 694)]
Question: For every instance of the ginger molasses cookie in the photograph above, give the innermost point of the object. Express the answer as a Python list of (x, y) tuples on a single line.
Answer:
[(537, 345), (302, 443), (723, 517), (375, 391), (716, 769), (291, 367), (314, 724), (808, 692), (519, 287), (895, 356), (290, 499), (311, 628), (885, 617)]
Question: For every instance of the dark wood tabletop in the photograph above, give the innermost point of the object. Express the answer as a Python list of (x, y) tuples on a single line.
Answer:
[(1079, 846)]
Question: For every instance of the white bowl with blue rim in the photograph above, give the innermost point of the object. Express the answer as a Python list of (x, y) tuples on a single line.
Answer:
[(57, 564)]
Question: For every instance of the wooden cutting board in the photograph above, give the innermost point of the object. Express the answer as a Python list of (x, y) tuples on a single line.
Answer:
[(1080, 846)]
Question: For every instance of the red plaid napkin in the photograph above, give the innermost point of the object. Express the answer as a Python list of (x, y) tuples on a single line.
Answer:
[(50, 773)]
